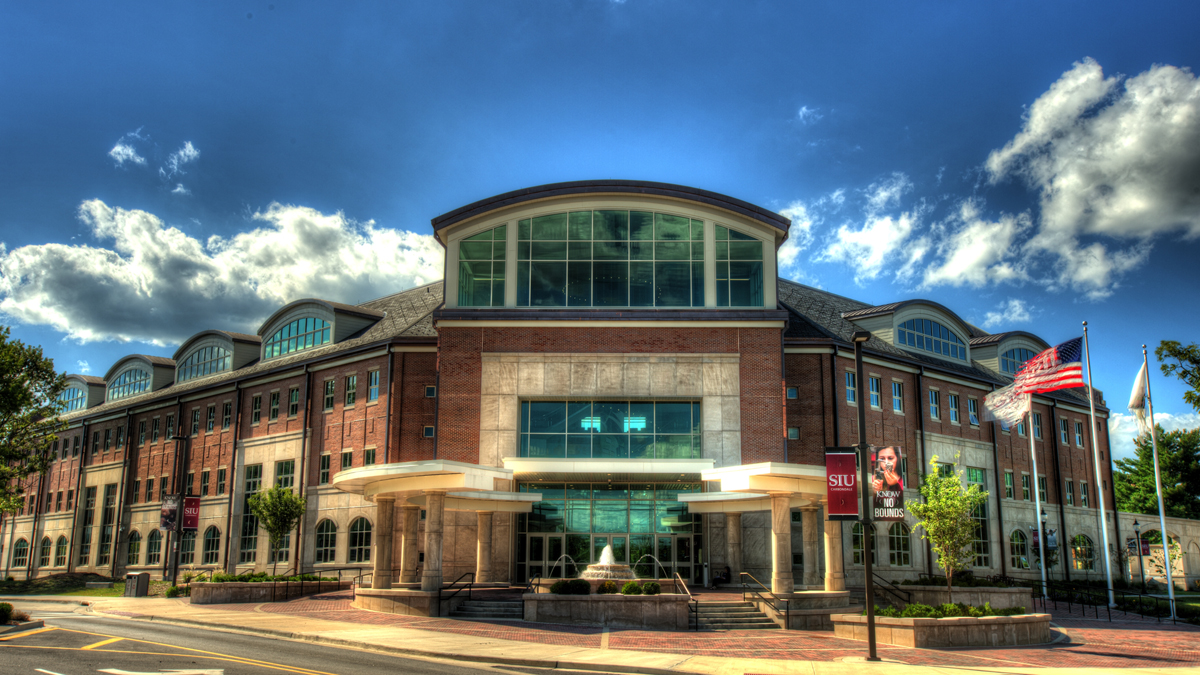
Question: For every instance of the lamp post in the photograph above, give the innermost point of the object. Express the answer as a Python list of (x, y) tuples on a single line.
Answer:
[(860, 338), (1137, 532)]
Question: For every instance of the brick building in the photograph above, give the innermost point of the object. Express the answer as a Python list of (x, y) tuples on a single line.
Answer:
[(607, 363)]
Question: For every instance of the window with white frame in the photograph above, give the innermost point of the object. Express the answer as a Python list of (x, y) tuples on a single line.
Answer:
[(935, 404), (899, 545), (973, 411), (851, 388), (298, 335), (1079, 434), (952, 402), (898, 397), (933, 337), (876, 394), (1083, 494)]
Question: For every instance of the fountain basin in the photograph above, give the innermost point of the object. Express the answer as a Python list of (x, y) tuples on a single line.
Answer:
[(668, 585)]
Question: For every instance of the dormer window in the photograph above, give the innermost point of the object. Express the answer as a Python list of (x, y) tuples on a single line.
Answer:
[(931, 336), (73, 398), (129, 383), (296, 336), (1012, 360), (205, 361)]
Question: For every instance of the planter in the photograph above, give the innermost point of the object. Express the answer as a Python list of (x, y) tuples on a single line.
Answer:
[(1000, 598), (668, 585), (656, 612), (207, 593), (988, 631)]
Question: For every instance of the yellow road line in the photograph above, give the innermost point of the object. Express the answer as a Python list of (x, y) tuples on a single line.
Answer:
[(28, 632), (102, 643), (230, 659)]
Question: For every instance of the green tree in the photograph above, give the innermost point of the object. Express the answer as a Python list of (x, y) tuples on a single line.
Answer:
[(1179, 464), (945, 519), (278, 510), (1184, 363), (29, 415)]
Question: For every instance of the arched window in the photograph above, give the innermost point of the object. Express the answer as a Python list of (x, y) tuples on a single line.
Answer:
[(481, 269), (187, 547), (20, 554), (44, 554), (135, 549), (72, 398), (1018, 550), (899, 545), (154, 548), (360, 541), (1083, 552), (212, 545), (1012, 360), (296, 336), (129, 383), (60, 552), (205, 361), (931, 336), (856, 544), (326, 541)]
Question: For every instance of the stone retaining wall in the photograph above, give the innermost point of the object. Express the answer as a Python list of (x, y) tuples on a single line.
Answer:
[(656, 612), (1000, 598), (988, 631), (207, 593)]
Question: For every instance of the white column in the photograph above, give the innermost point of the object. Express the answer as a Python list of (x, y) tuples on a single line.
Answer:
[(483, 547), (808, 523), (781, 544), (431, 576), (733, 541), (385, 509), (410, 514), (835, 577)]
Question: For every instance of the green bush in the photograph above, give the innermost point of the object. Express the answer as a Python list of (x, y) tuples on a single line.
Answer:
[(607, 587), (651, 588), (579, 587), (631, 588), (174, 592), (917, 610), (559, 587), (6, 611)]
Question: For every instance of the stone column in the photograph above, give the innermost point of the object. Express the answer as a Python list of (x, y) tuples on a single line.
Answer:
[(483, 547), (808, 524), (385, 509), (835, 577), (781, 544), (733, 541), (431, 576), (410, 514)]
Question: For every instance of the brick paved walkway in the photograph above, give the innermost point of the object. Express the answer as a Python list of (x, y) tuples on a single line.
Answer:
[(1090, 643)]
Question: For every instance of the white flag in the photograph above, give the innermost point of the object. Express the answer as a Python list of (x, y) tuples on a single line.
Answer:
[(1138, 401), (1006, 405)]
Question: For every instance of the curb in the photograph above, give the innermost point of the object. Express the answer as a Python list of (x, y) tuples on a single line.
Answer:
[(28, 625), (404, 651), (32, 599)]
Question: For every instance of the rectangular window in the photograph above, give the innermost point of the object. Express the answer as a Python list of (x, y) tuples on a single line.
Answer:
[(142, 432), (1037, 426), (189, 484), (195, 421), (1042, 488), (851, 388), (430, 391), (351, 389), (120, 437), (1021, 428), (898, 397), (1025, 487), (75, 447), (373, 385), (133, 494), (204, 483), (427, 432), (330, 390), (369, 457), (149, 489), (952, 400), (323, 477), (89, 520), (220, 481), (256, 409), (1064, 429), (211, 422), (170, 427), (982, 542), (285, 473), (70, 499), (793, 393), (973, 411), (347, 459), (163, 484), (107, 439), (1008, 485), (95, 443), (793, 433), (58, 501), (248, 545), (1083, 494), (227, 415), (253, 479), (293, 402), (935, 404), (1079, 434), (154, 430), (945, 469), (273, 411), (876, 394)]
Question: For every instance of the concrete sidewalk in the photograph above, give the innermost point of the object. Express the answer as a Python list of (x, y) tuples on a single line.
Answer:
[(267, 619)]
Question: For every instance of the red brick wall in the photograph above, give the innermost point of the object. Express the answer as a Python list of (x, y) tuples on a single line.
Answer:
[(354, 427), (413, 411)]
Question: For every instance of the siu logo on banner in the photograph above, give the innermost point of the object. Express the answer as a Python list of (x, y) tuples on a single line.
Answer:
[(191, 513), (841, 483)]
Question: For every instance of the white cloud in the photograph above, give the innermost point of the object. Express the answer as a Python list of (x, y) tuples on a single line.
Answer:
[(176, 160), (123, 152), (160, 285), (807, 115), (869, 248), (800, 235), (1123, 429), (1110, 157), (83, 367), (1012, 311), (974, 250), (180, 190)]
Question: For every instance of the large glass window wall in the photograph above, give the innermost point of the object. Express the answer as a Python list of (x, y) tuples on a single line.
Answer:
[(72, 398), (931, 336), (296, 336), (129, 383), (481, 269), (739, 269), (611, 429)]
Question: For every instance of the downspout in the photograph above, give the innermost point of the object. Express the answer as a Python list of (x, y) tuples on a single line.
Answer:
[(304, 449), (437, 401), (999, 497), (924, 466), (783, 391), (237, 432), (112, 569), (387, 428), (75, 508), (833, 398), (1062, 509)]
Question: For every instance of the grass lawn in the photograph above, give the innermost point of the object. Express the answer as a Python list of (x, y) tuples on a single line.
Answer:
[(73, 584)]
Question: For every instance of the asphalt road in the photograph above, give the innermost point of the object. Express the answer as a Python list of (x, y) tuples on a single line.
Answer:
[(80, 644)]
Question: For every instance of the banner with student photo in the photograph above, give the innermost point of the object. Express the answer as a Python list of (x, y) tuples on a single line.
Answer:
[(887, 484)]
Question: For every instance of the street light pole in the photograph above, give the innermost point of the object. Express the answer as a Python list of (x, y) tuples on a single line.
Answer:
[(1045, 543), (1137, 532), (860, 337)]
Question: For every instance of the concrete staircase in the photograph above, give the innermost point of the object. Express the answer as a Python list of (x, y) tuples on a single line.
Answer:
[(476, 610), (732, 616)]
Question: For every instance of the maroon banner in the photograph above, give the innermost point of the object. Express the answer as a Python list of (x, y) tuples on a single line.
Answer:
[(841, 485), (191, 513)]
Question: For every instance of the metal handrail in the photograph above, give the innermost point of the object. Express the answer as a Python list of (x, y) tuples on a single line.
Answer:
[(361, 579), (467, 587), (775, 599), (532, 586), (693, 604), (889, 587)]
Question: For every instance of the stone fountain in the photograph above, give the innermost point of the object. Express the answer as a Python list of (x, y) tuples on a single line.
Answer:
[(607, 568)]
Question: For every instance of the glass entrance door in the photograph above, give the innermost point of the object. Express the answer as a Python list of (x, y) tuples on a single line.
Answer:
[(544, 557)]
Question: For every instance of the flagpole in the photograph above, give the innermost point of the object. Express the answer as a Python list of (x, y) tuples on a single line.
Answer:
[(1037, 505), (1096, 462), (1162, 518)]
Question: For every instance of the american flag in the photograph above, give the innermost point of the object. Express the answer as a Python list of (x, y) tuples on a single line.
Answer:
[(1058, 367)]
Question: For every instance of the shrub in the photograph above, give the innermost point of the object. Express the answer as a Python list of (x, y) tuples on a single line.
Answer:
[(173, 592), (579, 587), (917, 610), (631, 588), (607, 587), (559, 587), (651, 588), (6, 611), (19, 616)]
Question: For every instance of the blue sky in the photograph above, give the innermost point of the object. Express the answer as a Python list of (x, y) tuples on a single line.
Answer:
[(172, 167)]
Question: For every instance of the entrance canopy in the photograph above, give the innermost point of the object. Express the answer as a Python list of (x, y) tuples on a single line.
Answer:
[(771, 478), (596, 469), (467, 487)]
